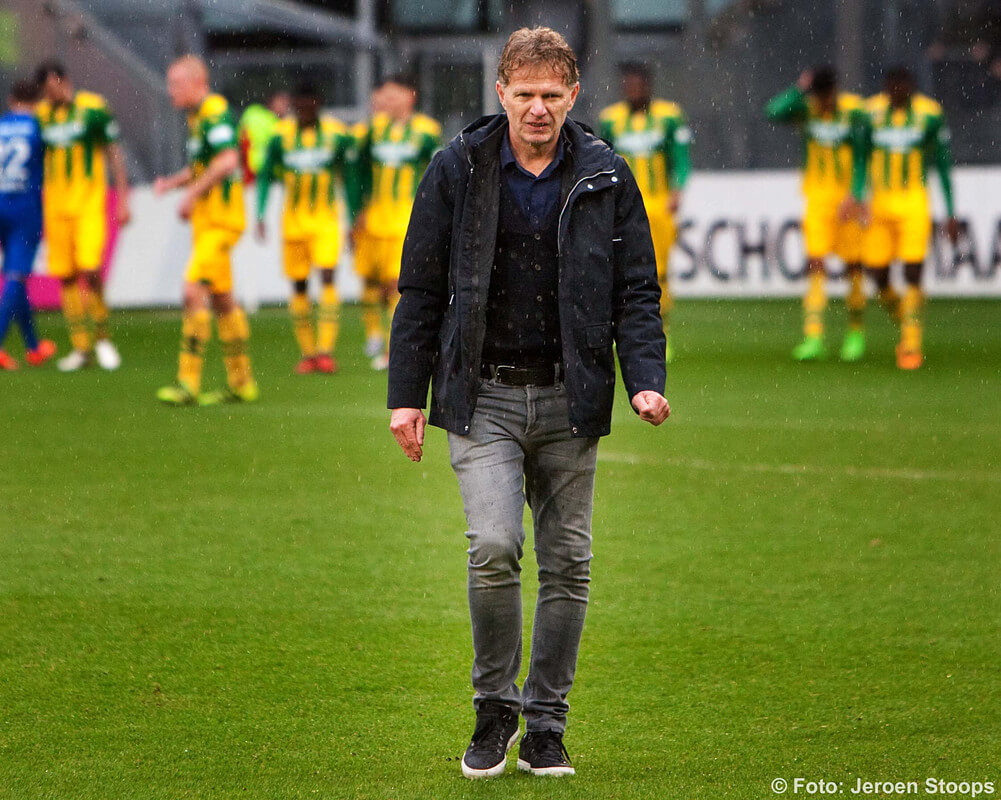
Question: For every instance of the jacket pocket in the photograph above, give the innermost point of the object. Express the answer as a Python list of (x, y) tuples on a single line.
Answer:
[(598, 336)]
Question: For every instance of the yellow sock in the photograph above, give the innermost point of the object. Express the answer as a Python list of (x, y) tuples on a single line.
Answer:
[(98, 312), (890, 300), (330, 319), (814, 304), (372, 316), (911, 327), (855, 301), (75, 319), (196, 329), (234, 333), (301, 310)]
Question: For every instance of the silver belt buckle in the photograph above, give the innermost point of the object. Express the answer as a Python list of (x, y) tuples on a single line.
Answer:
[(497, 371)]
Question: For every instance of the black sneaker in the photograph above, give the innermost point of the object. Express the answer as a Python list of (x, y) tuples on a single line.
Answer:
[(543, 753), (495, 734)]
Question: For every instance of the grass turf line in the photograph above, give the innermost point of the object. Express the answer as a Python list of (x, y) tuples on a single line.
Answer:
[(270, 600)]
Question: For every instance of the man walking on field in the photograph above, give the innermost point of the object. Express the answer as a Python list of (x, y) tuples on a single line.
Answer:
[(527, 257)]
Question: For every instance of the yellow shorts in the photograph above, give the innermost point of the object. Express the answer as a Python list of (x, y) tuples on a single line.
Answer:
[(75, 244), (210, 261), (377, 258), (891, 237), (301, 255), (664, 232), (825, 233)]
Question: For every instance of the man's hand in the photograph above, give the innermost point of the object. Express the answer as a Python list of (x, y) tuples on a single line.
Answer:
[(651, 406), (953, 229), (123, 214), (261, 231), (407, 425), (674, 202), (161, 186), (187, 205)]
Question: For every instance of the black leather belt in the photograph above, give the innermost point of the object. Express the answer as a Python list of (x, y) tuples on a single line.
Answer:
[(542, 375)]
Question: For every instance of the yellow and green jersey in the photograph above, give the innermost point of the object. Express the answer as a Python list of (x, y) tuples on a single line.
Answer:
[(212, 130), (896, 147), (827, 137), (309, 161), (655, 143), (391, 158), (76, 135)]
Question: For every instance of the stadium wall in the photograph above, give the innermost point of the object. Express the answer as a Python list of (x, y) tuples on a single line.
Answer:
[(739, 237)]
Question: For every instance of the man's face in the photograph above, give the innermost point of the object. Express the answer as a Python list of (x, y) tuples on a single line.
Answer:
[(280, 104), (537, 101), (185, 87), (899, 90), (56, 89), (635, 89), (307, 108), (397, 100)]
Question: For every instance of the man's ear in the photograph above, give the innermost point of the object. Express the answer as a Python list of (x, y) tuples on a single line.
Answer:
[(500, 95), (573, 95)]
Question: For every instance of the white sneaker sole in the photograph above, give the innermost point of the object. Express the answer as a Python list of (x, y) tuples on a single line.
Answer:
[(554, 772), (494, 771)]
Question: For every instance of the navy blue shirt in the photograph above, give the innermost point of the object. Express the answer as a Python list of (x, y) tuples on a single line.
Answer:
[(535, 195), (523, 315)]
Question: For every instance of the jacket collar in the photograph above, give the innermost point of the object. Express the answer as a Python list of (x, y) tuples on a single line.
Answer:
[(479, 143)]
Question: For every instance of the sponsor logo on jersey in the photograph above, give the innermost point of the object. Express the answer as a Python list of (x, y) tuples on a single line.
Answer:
[(62, 134), (639, 143), (827, 132), (393, 154), (308, 159), (898, 140)]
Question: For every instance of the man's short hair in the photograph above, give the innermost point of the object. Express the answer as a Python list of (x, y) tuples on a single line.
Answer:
[(303, 89), (25, 90), (636, 69), (194, 64), (898, 73), (534, 46), (50, 66), (824, 80)]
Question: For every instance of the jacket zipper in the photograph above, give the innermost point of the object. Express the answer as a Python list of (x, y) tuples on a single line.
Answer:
[(559, 221)]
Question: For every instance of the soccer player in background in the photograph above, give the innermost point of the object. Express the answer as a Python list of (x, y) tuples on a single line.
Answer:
[(21, 154), (903, 135), (308, 154), (654, 138), (256, 127), (81, 138), (826, 118), (393, 150), (213, 203)]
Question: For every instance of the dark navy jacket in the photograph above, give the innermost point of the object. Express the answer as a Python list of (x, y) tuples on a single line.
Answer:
[(608, 288)]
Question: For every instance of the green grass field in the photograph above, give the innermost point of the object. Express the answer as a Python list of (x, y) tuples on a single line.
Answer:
[(797, 576)]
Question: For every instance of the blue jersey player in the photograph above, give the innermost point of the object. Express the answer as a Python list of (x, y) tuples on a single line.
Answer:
[(21, 152)]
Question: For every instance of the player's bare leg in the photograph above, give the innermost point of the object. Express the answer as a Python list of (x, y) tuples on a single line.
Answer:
[(329, 325), (909, 350), (301, 309), (814, 305), (853, 346), (76, 321), (105, 350)]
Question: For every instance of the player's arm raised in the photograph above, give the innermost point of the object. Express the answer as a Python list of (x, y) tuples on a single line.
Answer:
[(790, 107)]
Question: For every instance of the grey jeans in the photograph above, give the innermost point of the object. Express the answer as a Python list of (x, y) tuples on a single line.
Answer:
[(519, 448)]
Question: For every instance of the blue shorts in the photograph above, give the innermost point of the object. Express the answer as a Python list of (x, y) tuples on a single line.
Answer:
[(19, 238)]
